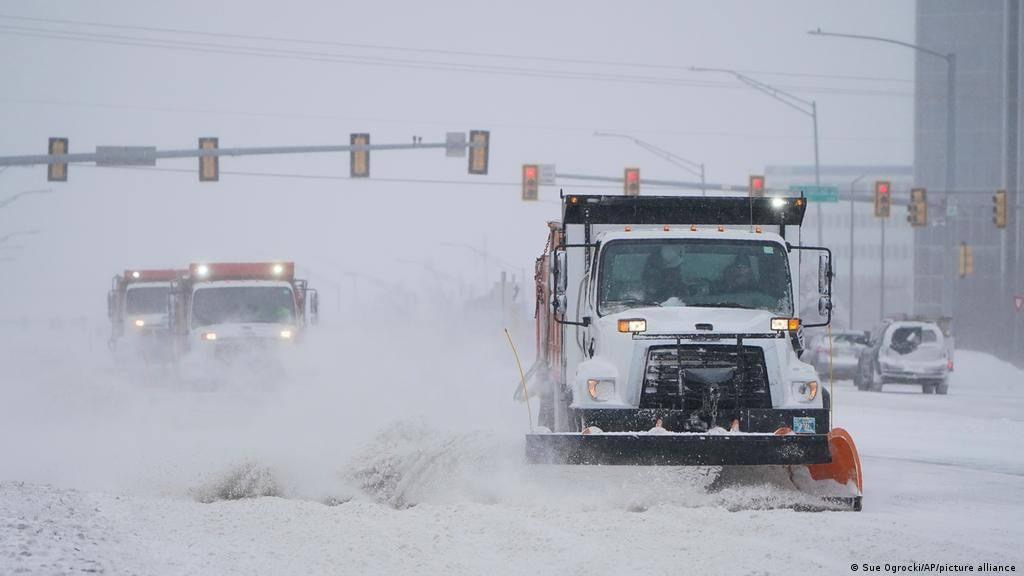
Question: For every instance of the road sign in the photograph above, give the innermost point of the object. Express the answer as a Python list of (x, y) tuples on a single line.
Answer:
[(126, 155), (1018, 302), (547, 174), (817, 193), (455, 144)]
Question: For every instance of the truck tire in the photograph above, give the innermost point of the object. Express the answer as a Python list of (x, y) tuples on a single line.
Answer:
[(928, 388), (942, 388)]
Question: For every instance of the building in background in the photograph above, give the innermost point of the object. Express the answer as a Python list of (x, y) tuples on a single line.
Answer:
[(861, 308), (985, 38)]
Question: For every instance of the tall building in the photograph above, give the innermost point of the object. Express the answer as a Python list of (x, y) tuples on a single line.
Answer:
[(984, 39)]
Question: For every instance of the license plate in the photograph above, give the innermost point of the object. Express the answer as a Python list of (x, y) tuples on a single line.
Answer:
[(803, 425)]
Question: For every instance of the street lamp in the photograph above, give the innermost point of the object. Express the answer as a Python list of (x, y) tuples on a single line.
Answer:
[(10, 199), (950, 59), (688, 165), (805, 107)]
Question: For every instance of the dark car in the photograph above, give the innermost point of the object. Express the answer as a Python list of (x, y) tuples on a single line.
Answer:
[(845, 350)]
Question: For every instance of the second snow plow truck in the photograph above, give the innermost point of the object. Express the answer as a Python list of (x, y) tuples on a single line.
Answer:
[(667, 335), (237, 314)]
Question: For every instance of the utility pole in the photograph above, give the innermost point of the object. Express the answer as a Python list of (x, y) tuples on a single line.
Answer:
[(881, 288), (853, 188)]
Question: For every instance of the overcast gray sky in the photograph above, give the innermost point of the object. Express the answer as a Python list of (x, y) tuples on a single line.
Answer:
[(107, 89)]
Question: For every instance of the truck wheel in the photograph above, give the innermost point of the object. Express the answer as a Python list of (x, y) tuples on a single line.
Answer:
[(928, 388), (942, 388)]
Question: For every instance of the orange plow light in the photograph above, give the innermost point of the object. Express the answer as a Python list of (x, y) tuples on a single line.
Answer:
[(845, 465)]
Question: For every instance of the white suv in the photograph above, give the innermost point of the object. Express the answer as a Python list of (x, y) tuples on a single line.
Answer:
[(906, 352)]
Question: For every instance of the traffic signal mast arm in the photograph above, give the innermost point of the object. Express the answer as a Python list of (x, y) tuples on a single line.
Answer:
[(147, 155)]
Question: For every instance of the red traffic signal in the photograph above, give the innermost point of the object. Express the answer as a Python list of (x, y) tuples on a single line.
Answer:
[(756, 188), (530, 183), (631, 182), (883, 202)]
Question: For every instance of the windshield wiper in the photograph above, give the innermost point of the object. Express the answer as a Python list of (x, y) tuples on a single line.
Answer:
[(631, 302)]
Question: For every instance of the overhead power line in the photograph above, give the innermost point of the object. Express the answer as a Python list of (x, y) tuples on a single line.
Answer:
[(414, 64), (421, 50)]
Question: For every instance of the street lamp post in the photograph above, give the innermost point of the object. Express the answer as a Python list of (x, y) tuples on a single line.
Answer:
[(697, 169), (950, 59), (806, 107), (853, 188)]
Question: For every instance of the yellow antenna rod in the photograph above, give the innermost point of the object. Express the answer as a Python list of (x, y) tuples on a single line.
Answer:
[(522, 376)]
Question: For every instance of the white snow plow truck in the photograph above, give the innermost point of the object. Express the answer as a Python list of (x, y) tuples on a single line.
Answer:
[(666, 335), (137, 308), (237, 313)]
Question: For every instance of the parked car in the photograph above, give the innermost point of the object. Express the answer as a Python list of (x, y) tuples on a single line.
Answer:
[(906, 352), (847, 346)]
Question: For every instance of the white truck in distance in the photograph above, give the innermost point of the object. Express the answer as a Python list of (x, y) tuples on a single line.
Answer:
[(137, 308), (666, 335), (228, 312)]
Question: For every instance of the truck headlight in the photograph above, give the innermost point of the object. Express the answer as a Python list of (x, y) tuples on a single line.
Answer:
[(209, 336), (286, 334), (783, 324), (140, 323), (600, 390), (634, 325), (805, 391)]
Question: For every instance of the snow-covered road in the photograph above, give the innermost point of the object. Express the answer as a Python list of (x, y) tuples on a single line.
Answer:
[(105, 477)]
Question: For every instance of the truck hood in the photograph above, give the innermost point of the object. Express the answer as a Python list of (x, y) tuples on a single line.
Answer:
[(683, 319)]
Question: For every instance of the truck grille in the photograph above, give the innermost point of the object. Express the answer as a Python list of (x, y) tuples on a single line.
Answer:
[(683, 377)]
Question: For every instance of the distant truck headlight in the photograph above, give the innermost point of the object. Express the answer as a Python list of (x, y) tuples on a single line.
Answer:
[(209, 336), (286, 334), (634, 325), (139, 323), (805, 391), (600, 390)]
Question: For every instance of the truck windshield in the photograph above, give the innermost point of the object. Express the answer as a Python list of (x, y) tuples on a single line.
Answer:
[(146, 300), (243, 304), (697, 272)]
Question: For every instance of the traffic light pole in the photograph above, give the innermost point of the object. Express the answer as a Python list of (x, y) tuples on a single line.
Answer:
[(853, 187), (881, 287)]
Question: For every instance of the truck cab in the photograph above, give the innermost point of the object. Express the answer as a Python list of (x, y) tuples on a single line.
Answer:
[(226, 311), (137, 309)]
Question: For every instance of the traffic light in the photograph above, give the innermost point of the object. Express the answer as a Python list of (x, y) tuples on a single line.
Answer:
[(530, 182), (631, 182), (917, 210), (479, 154), (999, 209), (209, 166), (966, 260), (58, 171), (359, 160), (756, 189), (883, 201)]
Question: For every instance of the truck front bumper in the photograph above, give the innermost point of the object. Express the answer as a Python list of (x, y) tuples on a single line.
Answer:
[(677, 449)]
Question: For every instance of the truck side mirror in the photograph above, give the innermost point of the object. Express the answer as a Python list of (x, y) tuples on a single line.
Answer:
[(561, 278), (824, 275), (314, 307), (824, 305)]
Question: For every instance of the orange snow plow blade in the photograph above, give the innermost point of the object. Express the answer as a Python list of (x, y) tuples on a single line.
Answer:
[(845, 465)]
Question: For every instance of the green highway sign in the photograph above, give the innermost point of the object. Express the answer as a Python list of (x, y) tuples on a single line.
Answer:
[(817, 193)]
